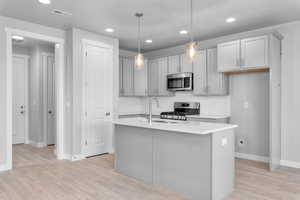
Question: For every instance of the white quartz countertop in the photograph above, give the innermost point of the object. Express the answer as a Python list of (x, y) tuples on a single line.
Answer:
[(191, 127)]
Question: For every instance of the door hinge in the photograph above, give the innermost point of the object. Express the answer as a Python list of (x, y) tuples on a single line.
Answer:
[(86, 53)]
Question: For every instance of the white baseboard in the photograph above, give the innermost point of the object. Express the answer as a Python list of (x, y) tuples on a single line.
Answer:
[(37, 144), (77, 157), (4, 167), (252, 157), (288, 163), (70, 157)]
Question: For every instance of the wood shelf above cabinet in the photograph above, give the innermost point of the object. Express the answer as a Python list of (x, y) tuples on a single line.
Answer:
[(247, 71)]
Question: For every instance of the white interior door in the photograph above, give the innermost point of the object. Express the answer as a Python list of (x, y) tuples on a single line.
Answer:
[(51, 126), (19, 99), (98, 92)]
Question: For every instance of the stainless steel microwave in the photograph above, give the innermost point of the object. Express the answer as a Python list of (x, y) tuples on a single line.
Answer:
[(180, 82)]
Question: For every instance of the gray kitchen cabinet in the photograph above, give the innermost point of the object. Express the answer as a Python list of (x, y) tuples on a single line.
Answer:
[(132, 81), (127, 76), (229, 56), (200, 73), (207, 79), (249, 53), (162, 76), (217, 82), (158, 71), (140, 81), (254, 52), (153, 78), (173, 64), (185, 64)]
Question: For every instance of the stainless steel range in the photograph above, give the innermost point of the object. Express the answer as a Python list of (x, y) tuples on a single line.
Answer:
[(181, 110)]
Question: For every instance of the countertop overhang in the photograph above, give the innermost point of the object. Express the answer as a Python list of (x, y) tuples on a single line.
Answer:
[(191, 127)]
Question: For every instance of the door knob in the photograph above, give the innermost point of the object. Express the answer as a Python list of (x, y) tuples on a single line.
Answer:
[(21, 107), (22, 112), (107, 114), (50, 112)]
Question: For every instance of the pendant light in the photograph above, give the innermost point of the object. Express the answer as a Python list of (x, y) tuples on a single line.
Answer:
[(192, 46), (139, 58)]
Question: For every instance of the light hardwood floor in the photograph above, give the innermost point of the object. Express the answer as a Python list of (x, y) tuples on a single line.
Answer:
[(38, 176)]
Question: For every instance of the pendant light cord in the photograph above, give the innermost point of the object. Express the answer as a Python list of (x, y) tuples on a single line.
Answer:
[(191, 22), (139, 34), (139, 15)]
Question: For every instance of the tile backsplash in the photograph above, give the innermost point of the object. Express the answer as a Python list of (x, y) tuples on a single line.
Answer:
[(213, 105)]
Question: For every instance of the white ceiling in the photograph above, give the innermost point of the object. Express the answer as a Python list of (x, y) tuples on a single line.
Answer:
[(162, 18)]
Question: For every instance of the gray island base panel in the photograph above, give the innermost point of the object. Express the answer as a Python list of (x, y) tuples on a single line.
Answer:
[(199, 167)]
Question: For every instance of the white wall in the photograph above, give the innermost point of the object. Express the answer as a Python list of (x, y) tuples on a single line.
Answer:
[(21, 50), (250, 110), (290, 91)]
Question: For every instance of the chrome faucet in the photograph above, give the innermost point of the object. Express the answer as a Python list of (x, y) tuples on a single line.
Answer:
[(150, 107)]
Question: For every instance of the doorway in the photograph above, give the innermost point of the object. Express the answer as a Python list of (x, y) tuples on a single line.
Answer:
[(35, 88), (34, 121)]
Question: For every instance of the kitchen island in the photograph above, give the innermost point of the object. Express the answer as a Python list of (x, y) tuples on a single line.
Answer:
[(194, 159)]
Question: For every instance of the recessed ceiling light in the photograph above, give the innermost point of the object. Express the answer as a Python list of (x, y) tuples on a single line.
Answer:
[(183, 32), (17, 38), (148, 41), (110, 30), (45, 1), (230, 19)]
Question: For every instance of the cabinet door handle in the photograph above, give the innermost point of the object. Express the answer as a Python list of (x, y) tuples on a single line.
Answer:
[(107, 114)]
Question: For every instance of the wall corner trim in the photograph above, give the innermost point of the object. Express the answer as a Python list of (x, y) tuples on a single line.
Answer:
[(287, 163), (252, 157)]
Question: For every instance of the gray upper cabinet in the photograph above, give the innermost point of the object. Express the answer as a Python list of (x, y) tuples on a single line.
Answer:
[(229, 56), (140, 81), (153, 78), (127, 77), (157, 78), (249, 53), (200, 73), (217, 82), (207, 80), (254, 52), (185, 64), (162, 76), (133, 82), (173, 64)]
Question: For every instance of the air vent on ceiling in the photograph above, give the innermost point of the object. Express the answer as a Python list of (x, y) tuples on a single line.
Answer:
[(61, 12)]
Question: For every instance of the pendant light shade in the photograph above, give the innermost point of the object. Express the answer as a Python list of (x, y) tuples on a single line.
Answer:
[(139, 61), (192, 47), (191, 51), (139, 58)]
